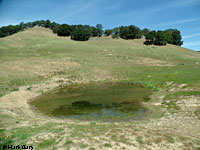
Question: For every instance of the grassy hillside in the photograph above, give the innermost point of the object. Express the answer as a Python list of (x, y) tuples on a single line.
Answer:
[(36, 60), (37, 54)]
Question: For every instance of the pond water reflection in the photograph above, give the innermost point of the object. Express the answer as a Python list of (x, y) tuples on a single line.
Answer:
[(108, 101)]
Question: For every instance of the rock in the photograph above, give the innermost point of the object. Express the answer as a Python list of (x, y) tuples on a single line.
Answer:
[(169, 83)]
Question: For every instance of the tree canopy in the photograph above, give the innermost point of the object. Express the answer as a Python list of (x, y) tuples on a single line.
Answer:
[(80, 34), (170, 36), (99, 30), (130, 32), (84, 32), (145, 31), (64, 30), (108, 32), (176, 37)]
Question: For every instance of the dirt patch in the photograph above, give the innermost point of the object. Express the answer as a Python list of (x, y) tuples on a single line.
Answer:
[(44, 68), (15, 103), (100, 74), (153, 62)]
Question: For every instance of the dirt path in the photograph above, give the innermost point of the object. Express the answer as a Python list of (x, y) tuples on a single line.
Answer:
[(16, 104)]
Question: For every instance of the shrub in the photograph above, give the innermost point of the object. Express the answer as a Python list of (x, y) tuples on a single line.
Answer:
[(171, 36), (80, 34), (130, 32), (108, 32), (64, 30)]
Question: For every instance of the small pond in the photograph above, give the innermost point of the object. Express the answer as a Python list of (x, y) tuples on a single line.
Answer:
[(106, 101)]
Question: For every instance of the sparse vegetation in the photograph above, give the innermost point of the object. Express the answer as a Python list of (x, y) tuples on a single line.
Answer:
[(170, 139), (68, 142), (140, 140), (197, 113), (83, 145), (181, 93), (107, 145), (171, 105), (46, 143)]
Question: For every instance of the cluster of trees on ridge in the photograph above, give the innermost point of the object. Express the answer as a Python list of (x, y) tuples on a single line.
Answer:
[(84, 32)]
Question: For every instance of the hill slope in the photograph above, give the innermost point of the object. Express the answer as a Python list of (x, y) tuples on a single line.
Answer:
[(36, 60), (39, 54)]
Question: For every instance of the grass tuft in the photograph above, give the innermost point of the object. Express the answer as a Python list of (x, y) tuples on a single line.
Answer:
[(140, 140)]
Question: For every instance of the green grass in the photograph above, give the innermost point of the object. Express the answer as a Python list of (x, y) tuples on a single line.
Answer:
[(5, 139), (197, 112), (1, 95), (83, 145), (22, 135), (171, 105), (95, 130), (181, 93), (46, 143), (170, 139), (13, 82), (97, 59), (107, 145), (140, 140), (68, 142)]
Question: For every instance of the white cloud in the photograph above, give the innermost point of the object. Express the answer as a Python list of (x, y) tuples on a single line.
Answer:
[(157, 9), (191, 35), (190, 44), (173, 5), (183, 21), (75, 8)]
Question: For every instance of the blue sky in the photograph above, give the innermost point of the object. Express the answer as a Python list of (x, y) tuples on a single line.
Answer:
[(153, 14)]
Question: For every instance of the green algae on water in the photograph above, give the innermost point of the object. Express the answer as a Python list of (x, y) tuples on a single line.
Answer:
[(95, 101)]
